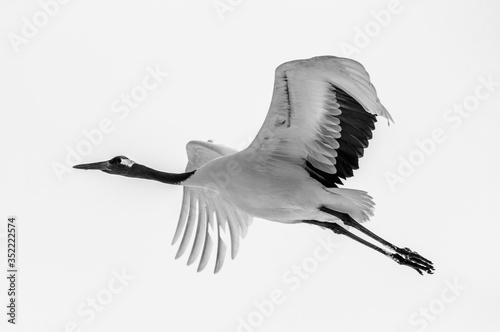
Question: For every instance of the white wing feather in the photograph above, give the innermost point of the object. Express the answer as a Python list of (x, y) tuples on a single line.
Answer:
[(206, 213), (322, 112)]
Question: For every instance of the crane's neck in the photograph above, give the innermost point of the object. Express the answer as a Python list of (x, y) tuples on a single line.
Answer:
[(144, 172)]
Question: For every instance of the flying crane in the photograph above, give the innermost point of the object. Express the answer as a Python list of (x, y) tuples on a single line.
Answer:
[(322, 115)]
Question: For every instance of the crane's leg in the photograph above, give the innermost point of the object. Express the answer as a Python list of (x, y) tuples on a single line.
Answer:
[(349, 221), (405, 252), (336, 228), (417, 265)]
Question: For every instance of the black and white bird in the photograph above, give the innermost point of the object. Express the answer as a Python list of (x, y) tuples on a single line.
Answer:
[(322, 114)]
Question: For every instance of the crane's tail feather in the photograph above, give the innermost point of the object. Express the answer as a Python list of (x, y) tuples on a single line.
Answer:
[(361, 204)]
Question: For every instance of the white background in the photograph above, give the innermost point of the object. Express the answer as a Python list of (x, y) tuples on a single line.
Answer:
[(77, 229)]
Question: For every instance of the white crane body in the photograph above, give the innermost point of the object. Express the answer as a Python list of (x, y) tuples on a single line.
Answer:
[(283, 193)]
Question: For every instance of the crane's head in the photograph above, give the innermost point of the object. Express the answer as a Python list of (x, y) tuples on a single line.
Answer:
[(119, 165)]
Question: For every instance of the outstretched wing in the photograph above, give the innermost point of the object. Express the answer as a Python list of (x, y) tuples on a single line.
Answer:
[(321, 116), (206, 214)]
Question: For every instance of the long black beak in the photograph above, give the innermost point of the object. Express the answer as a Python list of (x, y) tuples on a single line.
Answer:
[(101, 165)]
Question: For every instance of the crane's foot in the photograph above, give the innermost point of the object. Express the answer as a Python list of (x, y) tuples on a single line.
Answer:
[(405, 256)]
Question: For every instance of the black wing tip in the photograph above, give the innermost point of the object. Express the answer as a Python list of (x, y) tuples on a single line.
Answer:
[(356, 130)]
